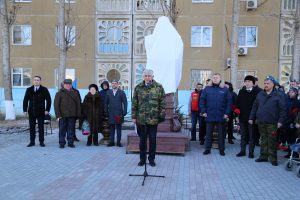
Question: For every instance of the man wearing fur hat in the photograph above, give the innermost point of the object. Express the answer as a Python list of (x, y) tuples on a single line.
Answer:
[(215, 106), (269, 111), (245, 100)]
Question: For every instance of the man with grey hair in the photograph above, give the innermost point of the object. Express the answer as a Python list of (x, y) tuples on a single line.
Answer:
[(148, 109)]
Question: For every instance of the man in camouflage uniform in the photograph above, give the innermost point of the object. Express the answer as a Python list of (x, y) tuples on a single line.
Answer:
[(269, 111), (148, 109)]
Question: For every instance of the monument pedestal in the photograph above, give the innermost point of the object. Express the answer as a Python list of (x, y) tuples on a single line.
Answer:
[(168, 139), (174, 143)]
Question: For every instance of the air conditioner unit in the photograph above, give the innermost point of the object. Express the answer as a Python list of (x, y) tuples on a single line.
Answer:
[(242, 51), (251, 4), (228, 62)]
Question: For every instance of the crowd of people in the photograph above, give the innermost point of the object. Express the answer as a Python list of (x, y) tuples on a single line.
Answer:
[(267, 117)]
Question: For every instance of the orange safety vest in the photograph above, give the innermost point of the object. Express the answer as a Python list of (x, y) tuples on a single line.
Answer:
[(195, 101)]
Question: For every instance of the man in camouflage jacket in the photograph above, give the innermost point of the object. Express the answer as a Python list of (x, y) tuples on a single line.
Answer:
[(148, 109)]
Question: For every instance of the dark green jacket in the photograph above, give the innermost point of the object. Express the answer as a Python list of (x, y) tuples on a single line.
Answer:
[(148, 103)]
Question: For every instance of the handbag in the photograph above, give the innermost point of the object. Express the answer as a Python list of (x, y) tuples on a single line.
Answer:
[(85, 128)]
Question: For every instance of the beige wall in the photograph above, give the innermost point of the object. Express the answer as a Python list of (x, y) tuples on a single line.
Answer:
[(263, 58), (42, 55)]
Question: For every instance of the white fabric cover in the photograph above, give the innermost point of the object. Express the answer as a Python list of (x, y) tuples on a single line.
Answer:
[(164, 49)]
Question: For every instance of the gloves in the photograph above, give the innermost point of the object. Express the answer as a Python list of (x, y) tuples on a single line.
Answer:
[(161, 117)]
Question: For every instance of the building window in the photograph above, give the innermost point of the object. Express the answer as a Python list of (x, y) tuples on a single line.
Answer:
[(247, 36), (21, 77), (23, 1), (70, 35), (241, 75), (67, 1), (21, 35), (70, 74), (201, 36), (289, 4), (199, 76), (114, 37), (202, 1)]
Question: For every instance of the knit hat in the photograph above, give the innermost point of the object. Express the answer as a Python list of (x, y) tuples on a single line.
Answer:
[(250, 78), (292, 89), (94, 86)]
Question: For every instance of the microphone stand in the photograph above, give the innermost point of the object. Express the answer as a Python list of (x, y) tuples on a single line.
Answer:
[(145, 174)]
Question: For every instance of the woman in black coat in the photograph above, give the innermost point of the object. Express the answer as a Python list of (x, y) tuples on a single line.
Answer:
[(93, 112)]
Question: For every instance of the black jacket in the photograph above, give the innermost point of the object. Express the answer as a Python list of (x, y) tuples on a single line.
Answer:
[(245, 101), (36, 101), (269, 108)]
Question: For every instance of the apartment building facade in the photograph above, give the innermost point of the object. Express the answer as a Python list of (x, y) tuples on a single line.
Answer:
[(109, 42)]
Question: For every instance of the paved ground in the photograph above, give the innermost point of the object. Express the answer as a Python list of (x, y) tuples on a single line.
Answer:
[(100, 172)]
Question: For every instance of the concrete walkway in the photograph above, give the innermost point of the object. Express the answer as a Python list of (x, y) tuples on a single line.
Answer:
[(102, 172)]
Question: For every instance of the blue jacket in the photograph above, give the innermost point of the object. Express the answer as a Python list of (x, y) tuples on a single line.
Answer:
[(269, 108), (215, 102)]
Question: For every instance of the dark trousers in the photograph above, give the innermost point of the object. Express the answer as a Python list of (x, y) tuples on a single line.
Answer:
[(113, 128), (230, 127), (202, 132), (32, 124), (144, 131), (66, 127), (247, 132), (93, 137), (195, 118), (268, 146), (209, 133), (256, 134)]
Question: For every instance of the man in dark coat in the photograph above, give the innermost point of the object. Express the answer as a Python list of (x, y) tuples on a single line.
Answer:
[(231, 116), (215, 106), (36, 95), (116, 108), (269, 110), (93, 112), (67, 108), (245, 100)]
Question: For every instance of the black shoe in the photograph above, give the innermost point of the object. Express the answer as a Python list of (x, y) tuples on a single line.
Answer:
[(242, 153), (119, 145), (251, 155), (206, 152), (257, 144), (202, 142), (88, 144), (111, 144), (141, 163), (192, 140), (152, 163), (230, 142), (42, 144), (96, 144), (30, 144), (61, 146), (274, 163), (76, 139), (261, 160), (71, 145), (222, 153)]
